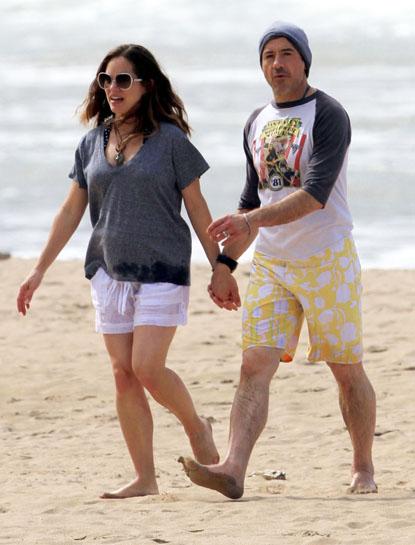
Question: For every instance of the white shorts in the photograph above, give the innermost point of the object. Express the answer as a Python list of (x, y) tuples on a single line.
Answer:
[(122, 306)]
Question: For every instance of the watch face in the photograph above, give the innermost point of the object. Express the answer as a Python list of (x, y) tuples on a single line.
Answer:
[(228, 261)]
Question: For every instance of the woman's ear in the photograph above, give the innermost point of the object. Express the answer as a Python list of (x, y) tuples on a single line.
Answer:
[(149, 85)]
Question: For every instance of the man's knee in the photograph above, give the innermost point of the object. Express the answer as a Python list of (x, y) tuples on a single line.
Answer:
[(260, 362), (349, 376)]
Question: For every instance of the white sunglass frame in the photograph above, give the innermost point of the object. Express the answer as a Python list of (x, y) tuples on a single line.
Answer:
[(113, 80)]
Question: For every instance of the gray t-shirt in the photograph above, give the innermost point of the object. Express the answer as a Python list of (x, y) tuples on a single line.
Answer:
[(138, 232)]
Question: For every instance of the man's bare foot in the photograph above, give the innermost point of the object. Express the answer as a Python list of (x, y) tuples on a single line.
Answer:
[(133, 489), (203, 445), (362, 483), (213, 478)]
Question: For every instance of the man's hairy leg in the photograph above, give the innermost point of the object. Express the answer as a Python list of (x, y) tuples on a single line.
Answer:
[(248, 418), (357, 401)]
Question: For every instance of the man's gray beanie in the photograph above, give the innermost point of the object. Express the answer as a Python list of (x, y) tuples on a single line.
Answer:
[(297, 36)]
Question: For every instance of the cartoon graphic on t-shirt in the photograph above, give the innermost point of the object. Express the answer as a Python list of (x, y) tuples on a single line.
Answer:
[(277, 152)]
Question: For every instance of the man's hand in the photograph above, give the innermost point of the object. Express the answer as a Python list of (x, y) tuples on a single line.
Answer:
[(229, 229), (223, 288)]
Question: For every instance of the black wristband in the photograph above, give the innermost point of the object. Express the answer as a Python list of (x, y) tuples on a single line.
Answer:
[(228, 261)]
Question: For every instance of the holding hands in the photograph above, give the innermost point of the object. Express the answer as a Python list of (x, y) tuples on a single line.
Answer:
[(229, 229), (223, 288)]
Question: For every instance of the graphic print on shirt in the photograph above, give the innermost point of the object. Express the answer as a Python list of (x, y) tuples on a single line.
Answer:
[(277, 152)]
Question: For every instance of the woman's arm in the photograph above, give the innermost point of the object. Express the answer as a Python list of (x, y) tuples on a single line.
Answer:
[(200, 217), (63, 227), (221, 273)]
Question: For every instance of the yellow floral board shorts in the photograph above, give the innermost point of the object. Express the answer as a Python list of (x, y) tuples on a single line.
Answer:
[(325, 289)]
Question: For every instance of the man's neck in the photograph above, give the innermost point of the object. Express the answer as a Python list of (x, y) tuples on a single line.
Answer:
[(303, 91)]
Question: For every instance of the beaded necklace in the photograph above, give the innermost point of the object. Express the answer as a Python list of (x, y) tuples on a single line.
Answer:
[(121, 141)]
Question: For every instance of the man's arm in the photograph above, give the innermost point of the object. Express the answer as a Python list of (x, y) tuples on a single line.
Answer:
[(234, 229)]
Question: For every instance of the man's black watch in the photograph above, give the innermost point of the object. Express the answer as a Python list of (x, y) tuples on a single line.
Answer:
[(228, 261)]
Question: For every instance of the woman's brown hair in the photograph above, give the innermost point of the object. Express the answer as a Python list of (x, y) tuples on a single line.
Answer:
[(159, 103)]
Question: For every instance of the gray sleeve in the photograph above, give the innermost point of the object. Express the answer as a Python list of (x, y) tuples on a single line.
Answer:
[(249, 197), (331, 135), (187, 160), (77, 172)]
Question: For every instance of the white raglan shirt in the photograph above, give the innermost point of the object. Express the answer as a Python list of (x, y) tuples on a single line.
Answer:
[(301, 144)]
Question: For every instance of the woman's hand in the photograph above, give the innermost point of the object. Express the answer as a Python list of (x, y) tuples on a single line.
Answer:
[(223, 288), (27, 289), (64, 225)]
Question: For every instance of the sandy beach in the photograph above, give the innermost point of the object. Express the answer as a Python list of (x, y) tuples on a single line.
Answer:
[(61, 445)]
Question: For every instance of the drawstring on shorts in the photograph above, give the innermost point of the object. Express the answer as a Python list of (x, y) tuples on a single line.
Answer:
[(121, 292)]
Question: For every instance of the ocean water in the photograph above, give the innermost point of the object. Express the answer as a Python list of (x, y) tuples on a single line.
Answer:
[(363, 54)]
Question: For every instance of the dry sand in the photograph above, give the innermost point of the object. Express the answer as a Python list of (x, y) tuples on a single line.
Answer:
[(61, 444)]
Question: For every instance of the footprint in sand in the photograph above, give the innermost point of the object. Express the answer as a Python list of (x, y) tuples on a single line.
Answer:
[(376, 349), (404, 523), (357, 525)]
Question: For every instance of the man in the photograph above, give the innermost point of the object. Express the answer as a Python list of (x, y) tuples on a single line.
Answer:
[(305, 263)]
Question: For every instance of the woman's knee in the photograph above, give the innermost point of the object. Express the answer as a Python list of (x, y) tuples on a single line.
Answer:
[(124, 378), (147, 374)]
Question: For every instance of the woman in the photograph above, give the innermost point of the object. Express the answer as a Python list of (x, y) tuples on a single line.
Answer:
[(134, 169)]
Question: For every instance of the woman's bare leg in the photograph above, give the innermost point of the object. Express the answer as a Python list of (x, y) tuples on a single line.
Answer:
[(150, 347), (135, 418)]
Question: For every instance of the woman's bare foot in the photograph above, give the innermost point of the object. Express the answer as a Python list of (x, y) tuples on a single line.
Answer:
[(211, 477), (203, 445), (133, 489), (362, 483)]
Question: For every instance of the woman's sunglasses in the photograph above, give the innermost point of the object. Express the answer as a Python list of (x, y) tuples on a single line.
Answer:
[(123, 81)]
